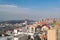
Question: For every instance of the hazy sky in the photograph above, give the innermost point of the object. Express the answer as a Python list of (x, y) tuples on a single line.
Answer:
[(29, 9)]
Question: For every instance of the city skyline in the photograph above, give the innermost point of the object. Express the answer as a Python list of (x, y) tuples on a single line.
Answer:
[(29, 9)]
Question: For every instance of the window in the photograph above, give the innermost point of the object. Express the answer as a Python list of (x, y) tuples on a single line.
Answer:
[(32, 29)]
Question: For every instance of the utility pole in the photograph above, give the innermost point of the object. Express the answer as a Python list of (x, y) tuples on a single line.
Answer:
[(57, 34)]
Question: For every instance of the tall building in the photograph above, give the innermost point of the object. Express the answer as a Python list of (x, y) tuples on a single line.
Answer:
[(54, 34)]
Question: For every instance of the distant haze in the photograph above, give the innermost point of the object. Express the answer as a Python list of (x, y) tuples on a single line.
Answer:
[(29, 9)]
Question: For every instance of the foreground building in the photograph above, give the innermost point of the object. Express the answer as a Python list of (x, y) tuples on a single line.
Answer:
[(54, 34)]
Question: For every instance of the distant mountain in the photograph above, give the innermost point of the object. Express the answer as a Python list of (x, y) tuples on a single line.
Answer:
[(16, 21)]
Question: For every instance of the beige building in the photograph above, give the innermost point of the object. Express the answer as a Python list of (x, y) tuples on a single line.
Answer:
[(54, 34), (51, 35)]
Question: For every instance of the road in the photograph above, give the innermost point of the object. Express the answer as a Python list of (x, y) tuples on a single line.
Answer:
[(20, 37)]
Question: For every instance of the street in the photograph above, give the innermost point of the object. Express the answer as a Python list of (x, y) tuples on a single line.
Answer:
[(21, 37)]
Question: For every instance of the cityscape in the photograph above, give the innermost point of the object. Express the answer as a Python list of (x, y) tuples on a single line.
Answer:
[(29, 19), (44, 29)]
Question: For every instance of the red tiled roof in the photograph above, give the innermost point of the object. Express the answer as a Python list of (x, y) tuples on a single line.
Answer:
[(48, 26), (42, 23)]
